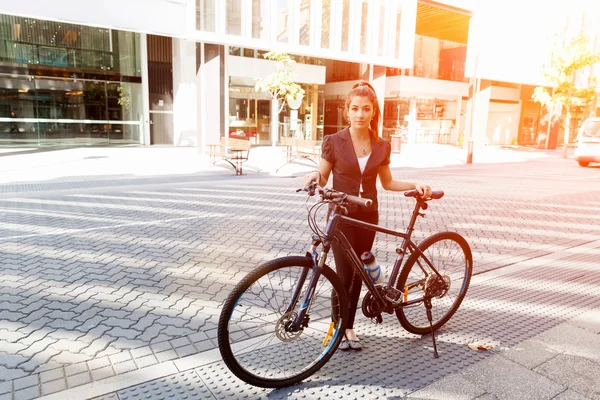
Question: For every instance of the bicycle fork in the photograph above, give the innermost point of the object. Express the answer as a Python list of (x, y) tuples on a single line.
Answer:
[(301, 319)]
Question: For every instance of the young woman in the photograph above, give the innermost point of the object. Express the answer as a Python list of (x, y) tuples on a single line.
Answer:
[(357, 156)]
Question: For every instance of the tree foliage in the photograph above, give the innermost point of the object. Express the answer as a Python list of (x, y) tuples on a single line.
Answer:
[(565, 63), (280, 84)]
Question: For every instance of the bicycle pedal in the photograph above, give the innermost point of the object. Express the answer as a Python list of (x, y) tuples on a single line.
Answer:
[(378, 319)]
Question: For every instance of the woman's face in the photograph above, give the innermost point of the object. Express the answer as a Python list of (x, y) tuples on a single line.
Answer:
[(360, 112)]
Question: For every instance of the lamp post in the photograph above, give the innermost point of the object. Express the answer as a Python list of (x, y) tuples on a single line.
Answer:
[(475, 89)]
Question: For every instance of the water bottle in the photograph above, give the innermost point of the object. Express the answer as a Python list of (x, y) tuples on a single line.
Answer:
[(372, 267)]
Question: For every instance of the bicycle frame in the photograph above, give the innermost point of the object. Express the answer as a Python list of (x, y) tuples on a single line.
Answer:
[(333, 233)]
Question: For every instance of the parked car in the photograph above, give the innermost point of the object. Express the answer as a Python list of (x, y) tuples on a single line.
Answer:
[(587, 146)]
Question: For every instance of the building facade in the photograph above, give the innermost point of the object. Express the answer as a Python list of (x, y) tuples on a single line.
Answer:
[(182, 72)]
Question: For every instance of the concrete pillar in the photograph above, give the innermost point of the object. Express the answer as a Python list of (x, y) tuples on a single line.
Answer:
[(185, 107), (210, 95), (145, 127), (377, 80), (201, 121)]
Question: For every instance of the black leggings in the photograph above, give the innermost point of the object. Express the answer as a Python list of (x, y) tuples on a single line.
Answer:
[(361, 241)]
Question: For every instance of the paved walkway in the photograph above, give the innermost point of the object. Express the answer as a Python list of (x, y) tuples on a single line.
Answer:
[(111, 281), (32, 166)]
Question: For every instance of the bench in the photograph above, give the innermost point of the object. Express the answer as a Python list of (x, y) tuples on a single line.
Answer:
[(233, 151), (308, 149), (300, 148)]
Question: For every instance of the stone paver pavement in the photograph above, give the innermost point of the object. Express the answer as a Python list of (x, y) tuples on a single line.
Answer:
[(106, 282)]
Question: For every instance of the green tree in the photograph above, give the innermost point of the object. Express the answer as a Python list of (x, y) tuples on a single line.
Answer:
[(280, 84), (566, 62)]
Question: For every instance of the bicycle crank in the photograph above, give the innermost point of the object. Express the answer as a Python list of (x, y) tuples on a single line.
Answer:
[(371, 309)]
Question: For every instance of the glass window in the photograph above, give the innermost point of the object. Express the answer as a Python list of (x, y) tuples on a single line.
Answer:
[(56, 44), (345, 23), (129, 60), (333, 118), (382, 19), (260, 19), (17, 108), (48, 110), (427, 57), (244, 107), (325, 23), (339, 71), (91, 106), (234, 17), (363, 26), (206, 15), (124, 104), (452, 61), (284, 20), (305, 22), (69, 103)]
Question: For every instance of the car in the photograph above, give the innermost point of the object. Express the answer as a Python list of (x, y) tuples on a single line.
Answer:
[(587, 146)]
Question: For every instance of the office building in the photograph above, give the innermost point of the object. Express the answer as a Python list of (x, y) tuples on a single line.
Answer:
[(182, 72)]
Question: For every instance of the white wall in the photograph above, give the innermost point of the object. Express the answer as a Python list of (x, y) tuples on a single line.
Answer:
[(246, 67), (415, 86), (503, 93), (211, 101), (480, 119), (338, 88), (502, 123), (161, 17), (185, 96), (408, 86)]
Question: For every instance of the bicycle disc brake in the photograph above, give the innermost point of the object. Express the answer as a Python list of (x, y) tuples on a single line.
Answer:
[(371, 309), (281, 328)]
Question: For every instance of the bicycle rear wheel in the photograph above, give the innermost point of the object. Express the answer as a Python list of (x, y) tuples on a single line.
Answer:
[(252, 337), (451, 256)]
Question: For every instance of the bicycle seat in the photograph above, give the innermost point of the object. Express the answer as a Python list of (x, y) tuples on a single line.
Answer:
[(436, 194)]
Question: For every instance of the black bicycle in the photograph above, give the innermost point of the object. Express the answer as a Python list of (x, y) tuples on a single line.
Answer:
[(284, 320)]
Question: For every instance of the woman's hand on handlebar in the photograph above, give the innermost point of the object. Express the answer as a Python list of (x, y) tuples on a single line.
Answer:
[(424, 190), (311, 187), (314, 176)]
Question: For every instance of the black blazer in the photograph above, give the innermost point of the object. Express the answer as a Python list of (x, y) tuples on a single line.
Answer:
[(339, 151)]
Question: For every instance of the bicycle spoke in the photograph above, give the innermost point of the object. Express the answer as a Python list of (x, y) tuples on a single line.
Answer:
[(446, 252), (258, 327)]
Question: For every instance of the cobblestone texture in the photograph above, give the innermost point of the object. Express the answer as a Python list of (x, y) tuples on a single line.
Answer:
[(102, 283)]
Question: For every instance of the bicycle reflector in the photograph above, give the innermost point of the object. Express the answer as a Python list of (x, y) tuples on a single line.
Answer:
[(329, 332)]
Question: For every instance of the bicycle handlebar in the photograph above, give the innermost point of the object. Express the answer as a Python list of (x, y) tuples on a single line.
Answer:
[(334, 195), (436, 194), (329, 194)]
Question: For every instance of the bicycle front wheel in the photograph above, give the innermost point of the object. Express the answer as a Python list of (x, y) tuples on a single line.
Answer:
[(451, 256), (254, 339)]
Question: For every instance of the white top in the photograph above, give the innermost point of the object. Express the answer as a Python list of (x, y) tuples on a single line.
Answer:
[(362, 163)]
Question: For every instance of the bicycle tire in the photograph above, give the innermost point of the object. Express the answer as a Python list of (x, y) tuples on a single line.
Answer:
[(249, 332), (414, 318)]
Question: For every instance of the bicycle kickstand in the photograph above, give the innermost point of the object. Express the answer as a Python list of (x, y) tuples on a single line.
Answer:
[(430, 318)]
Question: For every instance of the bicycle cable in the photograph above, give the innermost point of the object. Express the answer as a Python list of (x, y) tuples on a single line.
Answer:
[(315, 226)]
